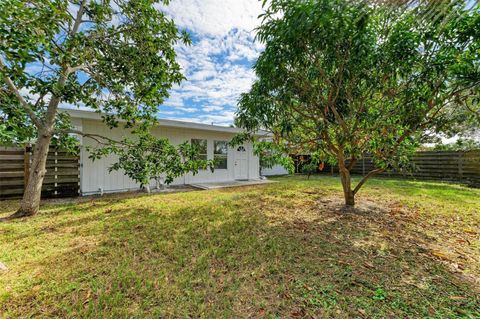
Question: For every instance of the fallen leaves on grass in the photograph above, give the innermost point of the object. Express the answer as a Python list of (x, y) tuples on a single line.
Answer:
[(442, 255), (286, 250)]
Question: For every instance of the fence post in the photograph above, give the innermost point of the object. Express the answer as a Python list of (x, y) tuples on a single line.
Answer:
[(460, 164), (56, 172), (363, 165), (26, 165)]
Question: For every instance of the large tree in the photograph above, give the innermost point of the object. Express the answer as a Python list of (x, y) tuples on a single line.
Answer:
[(344, 78), (113, 56)]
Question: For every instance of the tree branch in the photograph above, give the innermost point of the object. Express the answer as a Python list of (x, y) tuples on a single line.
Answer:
[(96, 137), (83, 67), (365, 178), (353, 160), (78, 19), (26, 106), (55, 100)]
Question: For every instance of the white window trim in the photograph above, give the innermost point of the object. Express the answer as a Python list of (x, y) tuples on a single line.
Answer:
[(221, 155)]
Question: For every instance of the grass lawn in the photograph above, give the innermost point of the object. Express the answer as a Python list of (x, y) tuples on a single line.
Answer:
[(282, 250)]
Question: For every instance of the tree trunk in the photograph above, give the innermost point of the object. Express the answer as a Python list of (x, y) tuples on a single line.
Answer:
[(346, 179), (159, 183), (347, 188), (31, 197)]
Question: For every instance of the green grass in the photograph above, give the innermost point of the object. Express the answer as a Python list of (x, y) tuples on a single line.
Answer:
[(282, 250)]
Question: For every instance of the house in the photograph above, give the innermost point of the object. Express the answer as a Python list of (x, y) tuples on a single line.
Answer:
[(239, 162)]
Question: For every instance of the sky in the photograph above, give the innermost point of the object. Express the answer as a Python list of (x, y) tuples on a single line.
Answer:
[(218, 64)]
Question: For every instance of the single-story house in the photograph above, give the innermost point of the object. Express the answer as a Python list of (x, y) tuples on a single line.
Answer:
[(239, 162)]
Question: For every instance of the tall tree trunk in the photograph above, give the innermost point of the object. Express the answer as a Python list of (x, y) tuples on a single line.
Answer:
[(346, 179), (31, 197), (348, 193)]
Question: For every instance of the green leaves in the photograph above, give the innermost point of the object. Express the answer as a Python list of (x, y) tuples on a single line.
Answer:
[(344, 78), (146, 158), (116, 57), (28, 30)]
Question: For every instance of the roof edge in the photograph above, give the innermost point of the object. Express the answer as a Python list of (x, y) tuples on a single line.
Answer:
[(92, 115)]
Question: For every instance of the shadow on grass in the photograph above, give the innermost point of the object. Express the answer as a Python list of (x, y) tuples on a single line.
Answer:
[(443, 190), (246, 255)]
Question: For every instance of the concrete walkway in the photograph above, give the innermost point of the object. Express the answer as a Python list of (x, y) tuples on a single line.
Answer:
[(215, 185)]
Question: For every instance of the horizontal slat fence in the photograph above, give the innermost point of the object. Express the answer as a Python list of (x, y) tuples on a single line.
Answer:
[(436, 165), (61, 180)]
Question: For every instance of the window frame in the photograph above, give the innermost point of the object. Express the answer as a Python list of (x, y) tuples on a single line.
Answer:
[(201, 156), (220, 155)]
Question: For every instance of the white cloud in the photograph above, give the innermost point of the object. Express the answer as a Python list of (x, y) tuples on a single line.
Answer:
[(224, 119), (218, 64), (188, 109), (174, 101), (215, 17), (210, 108)]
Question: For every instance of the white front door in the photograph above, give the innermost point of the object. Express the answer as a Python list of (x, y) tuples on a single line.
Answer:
[(241, 163)]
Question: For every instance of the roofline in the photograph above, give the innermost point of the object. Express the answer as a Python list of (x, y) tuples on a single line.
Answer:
[(91, 115)]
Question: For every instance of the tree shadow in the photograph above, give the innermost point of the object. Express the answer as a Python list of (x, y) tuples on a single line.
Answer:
[(245, 256)]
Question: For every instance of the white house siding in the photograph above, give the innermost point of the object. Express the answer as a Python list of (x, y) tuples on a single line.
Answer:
[(95, 177), (275, 170)]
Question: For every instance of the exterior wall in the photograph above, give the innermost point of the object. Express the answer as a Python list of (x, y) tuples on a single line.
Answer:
[(95, 177), (275, 170)]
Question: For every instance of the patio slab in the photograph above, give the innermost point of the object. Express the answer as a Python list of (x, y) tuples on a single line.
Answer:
[(215, 185)]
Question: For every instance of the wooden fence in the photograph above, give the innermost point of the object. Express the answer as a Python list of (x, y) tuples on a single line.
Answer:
[(61, 180), (437, 165)]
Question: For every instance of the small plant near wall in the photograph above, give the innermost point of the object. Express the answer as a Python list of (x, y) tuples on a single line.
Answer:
[(309, 169), (148, 158)]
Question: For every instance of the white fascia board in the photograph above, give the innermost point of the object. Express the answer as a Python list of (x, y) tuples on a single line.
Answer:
[(90, 115)]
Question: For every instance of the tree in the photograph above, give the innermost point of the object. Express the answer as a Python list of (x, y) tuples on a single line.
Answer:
[(113, 56), (309, 169), (344, 78), (311, 165)]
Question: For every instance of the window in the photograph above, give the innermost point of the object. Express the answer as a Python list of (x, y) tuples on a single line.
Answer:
[(201, 147), (220, 150), (241, 149)]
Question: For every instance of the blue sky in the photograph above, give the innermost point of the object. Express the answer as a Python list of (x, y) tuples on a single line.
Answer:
[(218, 63)]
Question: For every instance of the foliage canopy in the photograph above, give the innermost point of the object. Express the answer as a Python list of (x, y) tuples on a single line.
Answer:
[(116, 57), (344, 78), (146, 158)]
